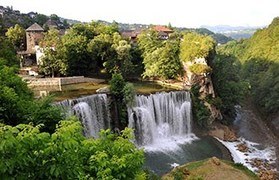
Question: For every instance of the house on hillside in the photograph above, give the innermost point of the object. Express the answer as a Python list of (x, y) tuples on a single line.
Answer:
[(163, 31), (32, 14), (131, 34), (29, 59), (50, 24)]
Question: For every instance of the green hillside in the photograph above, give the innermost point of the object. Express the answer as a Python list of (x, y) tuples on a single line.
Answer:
[(259, 58)]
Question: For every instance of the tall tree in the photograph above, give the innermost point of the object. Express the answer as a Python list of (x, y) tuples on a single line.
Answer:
[(123, 61), (16, 35), (160, 57), (194, 45), (77, 55), (53, 61), (41, 19), (7, 53)]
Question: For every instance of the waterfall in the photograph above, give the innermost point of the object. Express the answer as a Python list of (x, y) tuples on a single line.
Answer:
[(93, 112), (161, 119)]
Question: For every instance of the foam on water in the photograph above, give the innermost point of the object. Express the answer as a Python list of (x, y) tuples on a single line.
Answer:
[(254, 152), (162, 121), (93, 112)]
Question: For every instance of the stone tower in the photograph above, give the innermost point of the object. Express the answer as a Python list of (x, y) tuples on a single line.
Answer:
[(33, 36)]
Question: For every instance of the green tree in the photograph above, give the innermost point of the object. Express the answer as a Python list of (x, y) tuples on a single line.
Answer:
[(7, 53), (149, 41), (78, 58), (67, 154), (54, 61), (41, 19), (119, 89), (259, 58), (17, 104), (163, 60), (15, 97), (117, 84), (160, 57), (123, 61), (129, 94), (195, 46), (16, 35), (227, 83), (54, 17), (102, 52)]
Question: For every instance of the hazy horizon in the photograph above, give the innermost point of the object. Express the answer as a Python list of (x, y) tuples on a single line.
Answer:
[(193, 13)]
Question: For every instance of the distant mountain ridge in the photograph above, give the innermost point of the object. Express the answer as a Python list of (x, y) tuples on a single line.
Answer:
[(228, 28), (235, 32)]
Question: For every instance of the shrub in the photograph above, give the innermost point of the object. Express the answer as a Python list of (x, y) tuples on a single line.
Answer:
[(200, 68)]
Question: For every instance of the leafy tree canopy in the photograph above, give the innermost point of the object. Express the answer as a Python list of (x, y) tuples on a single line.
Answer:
[(259, 57), (16, 35), (7, 53), (54, 61), (195, 46), (67, 154)]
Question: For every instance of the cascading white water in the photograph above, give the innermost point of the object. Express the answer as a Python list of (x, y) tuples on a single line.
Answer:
[(93, 112), (161, 120)]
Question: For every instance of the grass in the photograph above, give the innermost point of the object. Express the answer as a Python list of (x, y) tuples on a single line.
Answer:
[(208, 169), (195, 164), (243, 168)]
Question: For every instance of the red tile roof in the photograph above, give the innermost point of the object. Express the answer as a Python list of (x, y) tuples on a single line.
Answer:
[(162, 29)]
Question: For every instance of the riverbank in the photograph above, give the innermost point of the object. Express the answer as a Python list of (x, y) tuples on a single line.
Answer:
[(210, 169), (254, 144)]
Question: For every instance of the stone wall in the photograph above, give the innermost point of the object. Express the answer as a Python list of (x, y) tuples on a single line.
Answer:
[(72, 80), (33, 39), (33, 82)]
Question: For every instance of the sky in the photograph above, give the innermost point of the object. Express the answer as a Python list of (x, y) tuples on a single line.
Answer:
[(180, 13)]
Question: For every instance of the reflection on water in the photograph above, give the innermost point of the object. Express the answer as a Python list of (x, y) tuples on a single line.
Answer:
[(68, 91), (82, 89)]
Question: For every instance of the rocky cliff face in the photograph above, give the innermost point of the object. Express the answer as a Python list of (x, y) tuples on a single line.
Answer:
[(201, 76)]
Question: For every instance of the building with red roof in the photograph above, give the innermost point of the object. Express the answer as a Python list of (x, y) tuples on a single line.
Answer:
[(163, 31)]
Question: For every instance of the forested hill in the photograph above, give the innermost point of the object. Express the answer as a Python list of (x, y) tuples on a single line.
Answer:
[(10, 17), (259, 58), (263, 44)]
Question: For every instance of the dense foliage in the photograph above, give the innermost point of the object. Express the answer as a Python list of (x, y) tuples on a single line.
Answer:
[(16, 35), (88, 49), (17, 104), (67, 154), (53, 61), (7, 53), (195, 46), (259, 57), (160, 57), (200, 68), (228, 85), (123, 96), (36, 144), (200, 111)]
